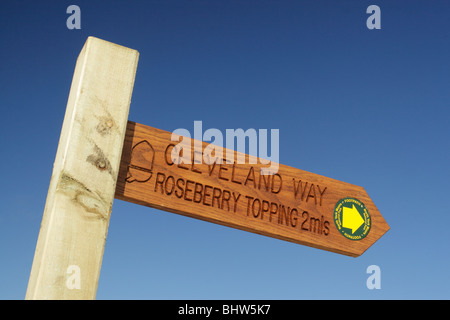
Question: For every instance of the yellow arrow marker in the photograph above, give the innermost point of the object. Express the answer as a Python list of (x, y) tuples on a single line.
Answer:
[(351, 218)]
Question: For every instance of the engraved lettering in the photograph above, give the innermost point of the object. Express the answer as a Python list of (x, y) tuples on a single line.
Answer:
[(253, 207), (206, 194), (222, 168), (198, 189), (313, 195), (217, 193), (273, 183), (326, 230), (293, 217), (266, 182), (321, 193), (170, 189), (315, 225), (179, 165), (180, 191), (273, 210), (264, 208), (167, 152), (211, 167), (195, 160), (235, 199), (286, 216), (188, 189), (248, 204), (304, 227), (282, 215), (226, 198), (299, 188), (160, 176), (232, 175), (252, 173)]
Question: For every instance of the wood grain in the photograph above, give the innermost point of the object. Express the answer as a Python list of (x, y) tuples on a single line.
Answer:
[(292, 205), (79, 201)]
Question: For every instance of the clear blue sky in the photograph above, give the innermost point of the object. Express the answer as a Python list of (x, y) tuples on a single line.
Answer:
[(311, 69)]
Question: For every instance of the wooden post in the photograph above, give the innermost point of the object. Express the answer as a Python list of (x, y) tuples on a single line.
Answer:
[(72, 237)]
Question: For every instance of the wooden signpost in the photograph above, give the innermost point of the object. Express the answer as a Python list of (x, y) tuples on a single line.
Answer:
[(292, 205), (102, 155), (79, 201)]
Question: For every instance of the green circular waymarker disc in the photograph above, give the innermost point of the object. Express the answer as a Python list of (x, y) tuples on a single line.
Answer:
[(352, 218)]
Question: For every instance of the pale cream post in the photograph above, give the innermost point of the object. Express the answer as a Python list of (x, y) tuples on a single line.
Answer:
[(73, 231)]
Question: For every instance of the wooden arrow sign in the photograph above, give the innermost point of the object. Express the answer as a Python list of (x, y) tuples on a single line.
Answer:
[(292, 205)]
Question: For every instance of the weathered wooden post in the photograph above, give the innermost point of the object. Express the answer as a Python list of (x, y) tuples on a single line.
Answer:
[(79, 201)]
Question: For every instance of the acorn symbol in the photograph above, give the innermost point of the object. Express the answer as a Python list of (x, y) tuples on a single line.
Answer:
[(141, 162)]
